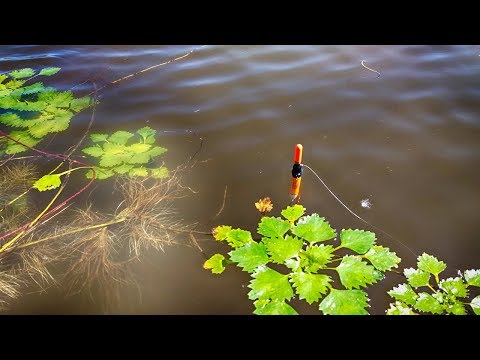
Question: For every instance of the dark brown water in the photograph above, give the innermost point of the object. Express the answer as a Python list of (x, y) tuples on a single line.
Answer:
[(409, 141)]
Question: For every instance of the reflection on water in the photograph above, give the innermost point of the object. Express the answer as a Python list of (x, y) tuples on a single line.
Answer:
[(407, 141)]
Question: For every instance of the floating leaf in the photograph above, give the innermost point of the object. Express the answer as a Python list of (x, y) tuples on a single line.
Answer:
[(95, 151), (49, 71), (313, 228), (310, 286), (293, 264), (416, 278), (430, 264), (355, 273), (123, 169), (249, 256), (281, 249), (80, 103), (382, 258), (456, 309), (41, 129), (220, 232), (270, 284), (315, 257), (139, 158), (11, 119), (427, 303), (238, 237), (139, 171), (98, 137), (345, 302), (404, 293), (269, 307), (47, 182), (110, 160), (400, 308), (156, 151), (24, 137), (159, 173), (139, 148), (454, 286), (22, 73), (472, 277), (49, 122), (475, 304), (112, 148), (216, 264), (120, 137), (264, 205), (293, 213), (359, 241), (34, 106), (56, 98), (147, 134), (32, 89), (273, 226), (14, 84), (101, 173), (441, 297)]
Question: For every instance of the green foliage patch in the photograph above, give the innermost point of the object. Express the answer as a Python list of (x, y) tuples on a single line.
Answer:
[(423, 293), (126, 153), (298, 242), (32, 110)]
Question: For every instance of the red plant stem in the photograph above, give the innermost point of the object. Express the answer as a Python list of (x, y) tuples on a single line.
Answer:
[(63, 203)]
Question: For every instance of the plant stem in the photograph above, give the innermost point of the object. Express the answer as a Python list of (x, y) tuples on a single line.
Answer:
[(39, 216), (72, 170), (24, 193), (17, 198), (71, 232), (63, 203)]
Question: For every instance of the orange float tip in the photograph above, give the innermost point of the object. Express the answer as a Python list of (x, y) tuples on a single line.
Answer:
[(297, 155)]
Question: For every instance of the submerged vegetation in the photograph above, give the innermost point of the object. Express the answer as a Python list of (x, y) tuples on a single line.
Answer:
[(96, 249)]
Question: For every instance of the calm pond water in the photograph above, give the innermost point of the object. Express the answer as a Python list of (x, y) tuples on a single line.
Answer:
[(407, 140)]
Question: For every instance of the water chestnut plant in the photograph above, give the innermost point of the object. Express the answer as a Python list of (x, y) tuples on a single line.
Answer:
[(297, 255), (425, 292), (33, 110), (119, 153)]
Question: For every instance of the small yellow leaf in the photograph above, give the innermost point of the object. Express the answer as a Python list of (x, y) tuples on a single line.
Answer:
[(264, 205)]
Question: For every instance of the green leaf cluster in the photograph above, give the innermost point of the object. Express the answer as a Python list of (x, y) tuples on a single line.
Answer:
[(118, 154), (424, 293), (295, 257), (33, 110)]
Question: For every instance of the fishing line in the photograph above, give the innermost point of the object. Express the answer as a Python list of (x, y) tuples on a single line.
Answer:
[(353, 213), (366, 67)]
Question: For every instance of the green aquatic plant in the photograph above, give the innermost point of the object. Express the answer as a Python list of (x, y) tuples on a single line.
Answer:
[(447, 296), (115, 156), (34, 110), (293, 258), (96, 248)]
